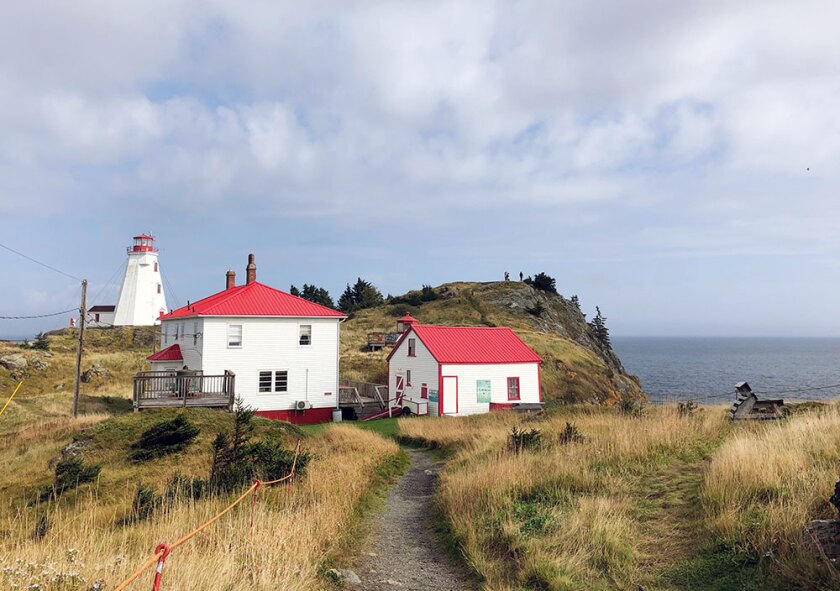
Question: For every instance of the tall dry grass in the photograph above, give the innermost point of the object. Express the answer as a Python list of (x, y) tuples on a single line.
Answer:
[(293, 531), (558, 516), (765, 483)]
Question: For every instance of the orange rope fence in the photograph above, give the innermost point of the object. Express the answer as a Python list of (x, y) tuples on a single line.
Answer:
[(163, 550)]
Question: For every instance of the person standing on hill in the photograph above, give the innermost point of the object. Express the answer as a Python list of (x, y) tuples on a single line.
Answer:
[(521, 276), (507, 276)]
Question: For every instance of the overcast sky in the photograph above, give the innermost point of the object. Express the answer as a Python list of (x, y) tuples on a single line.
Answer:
[(653, 156)]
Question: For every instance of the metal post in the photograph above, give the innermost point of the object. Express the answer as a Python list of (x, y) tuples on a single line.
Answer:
[(82, 317)]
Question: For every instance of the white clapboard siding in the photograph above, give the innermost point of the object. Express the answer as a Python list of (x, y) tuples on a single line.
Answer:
[(424, 370), (272, 344), (469, 374)]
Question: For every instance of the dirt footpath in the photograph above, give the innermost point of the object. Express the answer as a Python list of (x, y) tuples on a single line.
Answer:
[(403, 551)]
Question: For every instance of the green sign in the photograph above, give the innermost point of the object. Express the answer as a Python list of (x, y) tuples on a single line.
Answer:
[(482, 390), (433, 395)]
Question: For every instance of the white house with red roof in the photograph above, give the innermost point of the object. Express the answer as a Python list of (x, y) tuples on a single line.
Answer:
[(282, 349), (462, 370)]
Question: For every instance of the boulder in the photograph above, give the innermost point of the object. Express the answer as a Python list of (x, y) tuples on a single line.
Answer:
[(95, 371), (40, 364), (14, 362)]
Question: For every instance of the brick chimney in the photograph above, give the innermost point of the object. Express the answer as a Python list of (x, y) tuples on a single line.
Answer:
[(250, 271), (230, 276)]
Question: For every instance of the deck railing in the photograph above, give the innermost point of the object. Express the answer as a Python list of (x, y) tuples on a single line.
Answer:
[(155, 389)]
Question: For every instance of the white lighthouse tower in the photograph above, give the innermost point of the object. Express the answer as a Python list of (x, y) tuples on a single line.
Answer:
[(141, 299)]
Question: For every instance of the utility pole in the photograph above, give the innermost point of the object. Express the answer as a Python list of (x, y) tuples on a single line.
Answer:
[(82, 317)]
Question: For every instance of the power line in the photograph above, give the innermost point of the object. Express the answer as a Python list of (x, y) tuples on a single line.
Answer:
[(39, 315), (37, 262), (95, 299), (807, 389)]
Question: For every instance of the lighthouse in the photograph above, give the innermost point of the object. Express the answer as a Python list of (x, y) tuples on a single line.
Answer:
[(141, 300)]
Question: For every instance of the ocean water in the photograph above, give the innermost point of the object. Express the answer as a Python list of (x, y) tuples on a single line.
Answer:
[(708, 368)]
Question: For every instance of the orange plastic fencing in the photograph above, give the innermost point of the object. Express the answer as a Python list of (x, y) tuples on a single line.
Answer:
[(163, 550)]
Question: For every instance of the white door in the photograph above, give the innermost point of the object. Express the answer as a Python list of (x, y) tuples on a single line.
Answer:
[(450, 395)]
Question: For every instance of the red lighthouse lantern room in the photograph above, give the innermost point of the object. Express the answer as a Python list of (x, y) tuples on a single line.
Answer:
[(143, 243)]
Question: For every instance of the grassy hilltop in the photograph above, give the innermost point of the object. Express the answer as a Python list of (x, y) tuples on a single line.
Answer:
[(575, 367)]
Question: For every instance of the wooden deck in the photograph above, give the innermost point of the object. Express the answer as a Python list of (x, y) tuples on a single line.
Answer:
[(161, 389)]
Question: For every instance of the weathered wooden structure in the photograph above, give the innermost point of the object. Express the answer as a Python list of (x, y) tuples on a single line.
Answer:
[(376, 341), (747, 406), (158, 389)]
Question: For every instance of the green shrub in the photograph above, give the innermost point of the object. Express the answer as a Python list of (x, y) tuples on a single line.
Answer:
[(631, 407), (522, 439), (238, 461), (69, 474), (163, 439), (571, 434), (41, 342)]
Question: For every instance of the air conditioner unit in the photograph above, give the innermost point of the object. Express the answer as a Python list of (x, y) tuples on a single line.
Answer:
[(302, 405)]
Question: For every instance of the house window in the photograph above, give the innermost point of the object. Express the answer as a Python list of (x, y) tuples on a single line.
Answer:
[(305, 334), (234, 335), (424, 391), (165, 334), (183, 331), (412, 347), (158, 287), (97, 316), (155, 267), (513, 388), (281, 381), (265, 381), (195, 334), (408, 377)]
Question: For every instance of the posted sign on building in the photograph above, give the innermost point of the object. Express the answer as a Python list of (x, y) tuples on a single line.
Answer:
[(482, 390)]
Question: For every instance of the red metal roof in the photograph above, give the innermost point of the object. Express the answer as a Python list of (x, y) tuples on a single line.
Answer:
[(472, 344), (171, 353), (144, 236), (408, 319), (254, 299), (102, 308)]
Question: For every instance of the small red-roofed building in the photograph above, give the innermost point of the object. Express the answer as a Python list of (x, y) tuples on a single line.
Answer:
[(276, 352), (462, 370)]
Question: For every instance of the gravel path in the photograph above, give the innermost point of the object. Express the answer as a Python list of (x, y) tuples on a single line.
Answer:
[(403, 551)]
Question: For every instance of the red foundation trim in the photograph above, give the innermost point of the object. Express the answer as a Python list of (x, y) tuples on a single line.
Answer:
[(502, 406), (310, 416)]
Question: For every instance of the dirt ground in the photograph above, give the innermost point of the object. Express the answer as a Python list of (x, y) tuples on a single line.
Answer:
[(403, 551)]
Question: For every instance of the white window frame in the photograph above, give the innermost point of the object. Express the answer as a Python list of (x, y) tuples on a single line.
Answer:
[(273, 386), (300, 335), (241, 336), (275, 390), (270, 381)]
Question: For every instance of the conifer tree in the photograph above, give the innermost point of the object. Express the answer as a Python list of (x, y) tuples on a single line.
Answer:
[(599, 329), (362, 295)]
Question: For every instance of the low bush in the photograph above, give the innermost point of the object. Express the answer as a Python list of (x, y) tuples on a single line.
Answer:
[(69, 474), (163, 439), (522, 439), (571, 434)]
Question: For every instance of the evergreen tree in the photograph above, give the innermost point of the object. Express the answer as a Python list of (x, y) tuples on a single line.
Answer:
[(575, 301), (313, 293), (41, 342), (362, 295), (599, 329), (544, 282)]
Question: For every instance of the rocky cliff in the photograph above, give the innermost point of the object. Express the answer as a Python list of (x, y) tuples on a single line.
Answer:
[(576, 367)]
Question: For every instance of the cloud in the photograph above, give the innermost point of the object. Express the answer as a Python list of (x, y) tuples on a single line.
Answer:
[(642, 130)]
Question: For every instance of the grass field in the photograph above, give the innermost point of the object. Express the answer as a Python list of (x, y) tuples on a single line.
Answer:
[(661, 502), (81, 541)]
